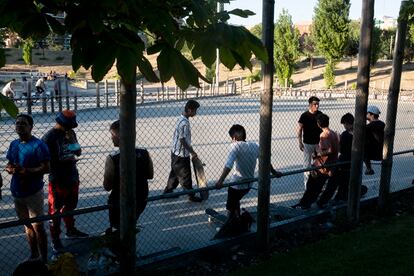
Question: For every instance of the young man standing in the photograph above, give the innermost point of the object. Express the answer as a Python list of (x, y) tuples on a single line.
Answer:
[(243, 155), (374, 138), (28, 160), (308, 133), (326, 153), (64, 177), (181, 151), (144, 171)]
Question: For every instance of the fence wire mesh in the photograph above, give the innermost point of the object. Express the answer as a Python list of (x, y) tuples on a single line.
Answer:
[(173, 224)]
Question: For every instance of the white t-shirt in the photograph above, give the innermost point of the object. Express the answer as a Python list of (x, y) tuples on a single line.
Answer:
[(8, 88), (182, 130), (40, 83), (245, 155)]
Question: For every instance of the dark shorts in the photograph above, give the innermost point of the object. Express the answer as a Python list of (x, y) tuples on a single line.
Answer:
[(233, 198)]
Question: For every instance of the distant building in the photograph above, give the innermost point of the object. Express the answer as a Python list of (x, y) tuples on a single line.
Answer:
[(304, 27), (387, 22)]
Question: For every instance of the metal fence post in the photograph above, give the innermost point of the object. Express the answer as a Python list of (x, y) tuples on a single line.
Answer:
[(67, 93), (98, 96), (106, 92)]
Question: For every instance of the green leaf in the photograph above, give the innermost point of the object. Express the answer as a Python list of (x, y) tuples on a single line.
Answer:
[(105, 58), (8, 105), (226, 57), (126, 64), (76, 59), (146, 69), (241, 13), (164, 62), (95, 22)]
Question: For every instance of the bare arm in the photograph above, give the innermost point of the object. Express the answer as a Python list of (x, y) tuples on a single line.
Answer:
[(109, 174), (299, 135), (188, 147), (223, 176), (150, 168)]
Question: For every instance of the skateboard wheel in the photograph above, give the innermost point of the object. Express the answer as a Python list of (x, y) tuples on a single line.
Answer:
[(210, 220)]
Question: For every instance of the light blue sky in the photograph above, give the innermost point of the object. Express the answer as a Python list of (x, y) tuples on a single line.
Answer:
[(302, 10)]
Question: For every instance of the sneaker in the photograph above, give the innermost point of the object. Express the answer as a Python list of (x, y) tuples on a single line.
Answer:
[(369, 172), (57, 246), (195, 199), (75, 233)]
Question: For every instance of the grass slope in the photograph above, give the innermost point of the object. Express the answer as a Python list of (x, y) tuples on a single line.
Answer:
[(385, 248)]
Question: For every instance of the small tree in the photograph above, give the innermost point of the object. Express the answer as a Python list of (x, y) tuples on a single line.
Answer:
[(256, 30), (352, 45), (27, 50), (286, 47), (331, 29), (309, 49)]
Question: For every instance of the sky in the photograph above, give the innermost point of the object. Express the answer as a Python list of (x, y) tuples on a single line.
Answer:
[(302, 10)]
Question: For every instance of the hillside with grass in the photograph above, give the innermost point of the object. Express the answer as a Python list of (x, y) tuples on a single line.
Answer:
[(60, 61)]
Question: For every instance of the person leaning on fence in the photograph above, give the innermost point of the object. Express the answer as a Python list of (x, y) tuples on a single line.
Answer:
[(181, 151), (341, 174), (243, 156), (28, 160), (374, 138), (9, 89), (64, 177), (308, 133), (111, 182), (326, 153)]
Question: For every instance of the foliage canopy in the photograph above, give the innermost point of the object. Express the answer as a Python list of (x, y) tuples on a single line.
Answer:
[(104, 32)]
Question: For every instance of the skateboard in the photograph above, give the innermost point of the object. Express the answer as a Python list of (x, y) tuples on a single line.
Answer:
[(200, 176), (214, 216)]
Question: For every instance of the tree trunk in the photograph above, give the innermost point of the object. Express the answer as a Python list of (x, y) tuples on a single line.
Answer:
[(266, 102), (127, 116), (362, 92), (393, 93)]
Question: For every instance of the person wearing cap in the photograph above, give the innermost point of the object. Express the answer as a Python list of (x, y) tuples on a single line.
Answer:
[(64, 177), (374, 138), (181, 150), (28, 160)]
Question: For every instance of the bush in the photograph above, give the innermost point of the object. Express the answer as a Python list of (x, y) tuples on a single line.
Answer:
[(59, 58), (43, 58), (254, 77)]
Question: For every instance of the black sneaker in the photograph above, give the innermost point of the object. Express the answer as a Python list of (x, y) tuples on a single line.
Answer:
[(57, 246), (195, 199), (369, 172), (75, 234)]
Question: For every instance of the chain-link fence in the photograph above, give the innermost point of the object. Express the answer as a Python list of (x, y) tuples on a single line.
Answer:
[(172, 224)]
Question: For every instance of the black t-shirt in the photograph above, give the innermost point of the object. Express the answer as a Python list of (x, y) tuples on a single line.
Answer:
[(311, 131), (142, 161), (345, 147), (62, 145), (374, 140)]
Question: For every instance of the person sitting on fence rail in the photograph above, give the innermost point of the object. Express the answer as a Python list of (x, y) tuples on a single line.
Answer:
[(341, 174), (180, 152), (41, 85), (64, 177), (28, 160), (111, 182), (326, 153), (243, 155), (374, 138), (9, 89), (308, 133)]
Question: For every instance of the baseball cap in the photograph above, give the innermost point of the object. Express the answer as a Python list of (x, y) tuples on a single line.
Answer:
[(67, 118), (373, 109)]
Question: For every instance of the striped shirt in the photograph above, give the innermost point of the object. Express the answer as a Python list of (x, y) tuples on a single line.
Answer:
[(182, 130)]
